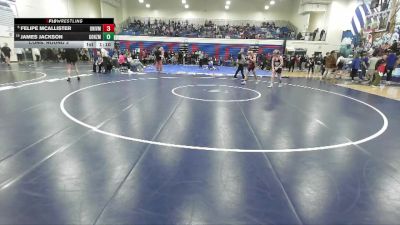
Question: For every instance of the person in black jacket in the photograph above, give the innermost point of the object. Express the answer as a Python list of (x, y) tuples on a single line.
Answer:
[(6, 53)]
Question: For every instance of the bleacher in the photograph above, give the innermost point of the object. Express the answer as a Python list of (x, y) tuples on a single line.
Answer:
[(208, 29)]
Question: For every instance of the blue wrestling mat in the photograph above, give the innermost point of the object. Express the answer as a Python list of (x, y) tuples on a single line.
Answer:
[(196, 70)]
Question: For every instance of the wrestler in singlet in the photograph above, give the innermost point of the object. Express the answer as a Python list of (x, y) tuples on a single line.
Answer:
[(251, 66), (277, 64)]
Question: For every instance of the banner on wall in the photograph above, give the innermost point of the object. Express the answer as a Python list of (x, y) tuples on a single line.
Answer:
[(212, 49), (8, 11), (378, 18)]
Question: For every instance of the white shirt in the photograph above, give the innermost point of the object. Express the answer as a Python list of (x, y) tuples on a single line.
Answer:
[(340, 59), (36, 51), (104, 53)]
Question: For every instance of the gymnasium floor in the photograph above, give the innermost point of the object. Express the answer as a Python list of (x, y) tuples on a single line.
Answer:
[(193, 149)]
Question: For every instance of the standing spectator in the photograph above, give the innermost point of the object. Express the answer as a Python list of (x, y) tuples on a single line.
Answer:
[(301, 61), (380, 69), (6, 53), (364, 67), (311, 66), (292, 63), (323, 64), (36, 53), (394, 46), (372, 66), (20, 54), (321, 35), (201, 59), (390, 66), (97, 60), (330, 65), (355, 67), (315, 34), (340, 65)]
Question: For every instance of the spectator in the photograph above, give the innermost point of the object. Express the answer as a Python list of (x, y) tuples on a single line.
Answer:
[(364, 67), (321, 35), (330, 65), (394, 46), (380, 69), (36, 53), (323, 64), (97, 60), (6, 53), (292, 63), (315, 34), (340, 65), (19, 52), (390, 66), (311, 66), (371, 66), (355, 67), (299, 36), (207, 30)]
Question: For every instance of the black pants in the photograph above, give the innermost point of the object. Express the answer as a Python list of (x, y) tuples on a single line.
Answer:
[(311, 68), (95, 66), (241, 69), (389, 74), (354, 73), (322, 69), (291, 67)]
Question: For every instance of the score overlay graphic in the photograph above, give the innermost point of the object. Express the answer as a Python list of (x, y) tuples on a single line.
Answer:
[(64, 32)]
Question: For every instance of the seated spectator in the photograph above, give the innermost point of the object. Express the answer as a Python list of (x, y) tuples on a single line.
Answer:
[(299, 36), (207, 30)]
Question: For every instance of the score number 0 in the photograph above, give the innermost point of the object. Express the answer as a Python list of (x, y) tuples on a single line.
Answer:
[(108, 32)]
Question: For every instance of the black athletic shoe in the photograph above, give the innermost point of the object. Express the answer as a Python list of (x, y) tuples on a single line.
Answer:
[(79, 78), (69, 79)]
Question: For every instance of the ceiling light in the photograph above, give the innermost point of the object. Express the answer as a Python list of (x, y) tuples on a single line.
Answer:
[(272, 2), (141, 1), (147, 5), (228, 2), (227, 7), (183, 1), (186, 6), (266, 7)]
